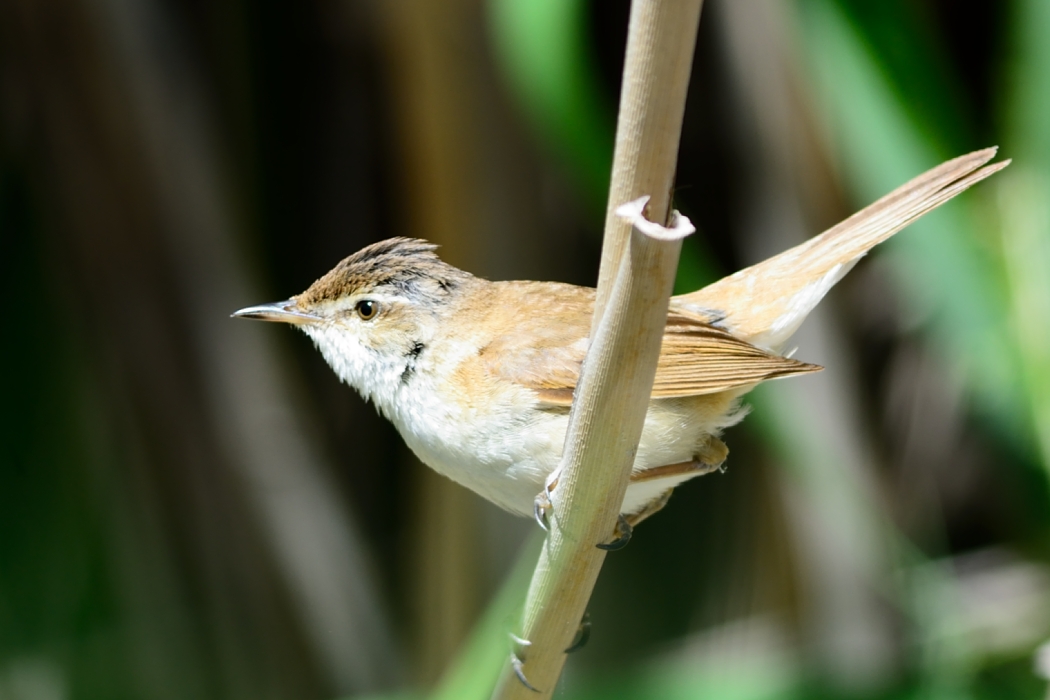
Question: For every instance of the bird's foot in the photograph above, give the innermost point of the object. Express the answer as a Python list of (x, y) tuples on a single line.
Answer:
[(517, 660), (583, 633), (518, 666), (712, 455), (543, 504), (621, 536)]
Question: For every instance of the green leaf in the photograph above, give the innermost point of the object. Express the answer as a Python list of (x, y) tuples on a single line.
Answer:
[(474, 673), (950, 271)]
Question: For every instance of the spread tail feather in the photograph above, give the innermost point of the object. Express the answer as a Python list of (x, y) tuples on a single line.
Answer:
[(766, 303)]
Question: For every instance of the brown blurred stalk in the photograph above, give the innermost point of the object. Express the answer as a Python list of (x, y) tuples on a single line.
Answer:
[(237, 567), (468, 184)]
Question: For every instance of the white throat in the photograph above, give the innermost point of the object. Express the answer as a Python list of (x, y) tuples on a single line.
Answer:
[(376, 375)]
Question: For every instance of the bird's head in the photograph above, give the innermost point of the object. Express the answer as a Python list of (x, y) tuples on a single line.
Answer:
[(375, 312)]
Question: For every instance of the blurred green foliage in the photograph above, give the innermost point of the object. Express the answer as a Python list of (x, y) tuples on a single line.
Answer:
[(880, 127), (885, 83), (57, 610)]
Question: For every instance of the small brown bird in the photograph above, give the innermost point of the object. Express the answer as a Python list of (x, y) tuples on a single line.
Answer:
[(478, 376)]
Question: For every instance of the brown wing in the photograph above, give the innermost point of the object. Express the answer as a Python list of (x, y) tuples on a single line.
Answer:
[(545, 355), (696, 358)]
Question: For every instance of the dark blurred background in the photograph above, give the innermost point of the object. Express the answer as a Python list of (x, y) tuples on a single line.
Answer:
[(194, 507)]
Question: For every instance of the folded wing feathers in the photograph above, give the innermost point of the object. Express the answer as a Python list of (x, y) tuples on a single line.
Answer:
[(697, 359), (726, 335)]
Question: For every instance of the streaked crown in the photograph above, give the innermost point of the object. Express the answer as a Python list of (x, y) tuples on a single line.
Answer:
[(408, 267)]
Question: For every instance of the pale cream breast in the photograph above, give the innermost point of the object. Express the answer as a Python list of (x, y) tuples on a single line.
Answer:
[(505, 449)]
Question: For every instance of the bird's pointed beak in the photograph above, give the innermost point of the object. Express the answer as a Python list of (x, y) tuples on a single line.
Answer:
[(278, 312)]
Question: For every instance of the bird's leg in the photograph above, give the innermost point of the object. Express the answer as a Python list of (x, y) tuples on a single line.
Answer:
[(707, 459), (652, 507), (583, 633), (542, 505)]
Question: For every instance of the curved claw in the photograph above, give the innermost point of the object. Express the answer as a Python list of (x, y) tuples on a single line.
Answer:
[(543, 503), (517, 665), (583, 634), (539, 511), (624, 530), (519, 640)]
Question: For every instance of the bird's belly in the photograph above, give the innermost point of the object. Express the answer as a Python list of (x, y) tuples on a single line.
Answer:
[(504, 458), (506, 454)]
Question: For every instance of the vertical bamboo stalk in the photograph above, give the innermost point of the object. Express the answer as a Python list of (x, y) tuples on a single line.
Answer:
[(612, 397), (660, 42)]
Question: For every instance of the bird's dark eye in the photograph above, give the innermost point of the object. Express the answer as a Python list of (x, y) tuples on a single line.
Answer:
[(366, 309)]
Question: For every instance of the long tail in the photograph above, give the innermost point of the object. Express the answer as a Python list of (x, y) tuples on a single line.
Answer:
[(766, 303)]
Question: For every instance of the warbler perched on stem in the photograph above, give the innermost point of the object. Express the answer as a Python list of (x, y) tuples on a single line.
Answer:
[(478, 376)]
